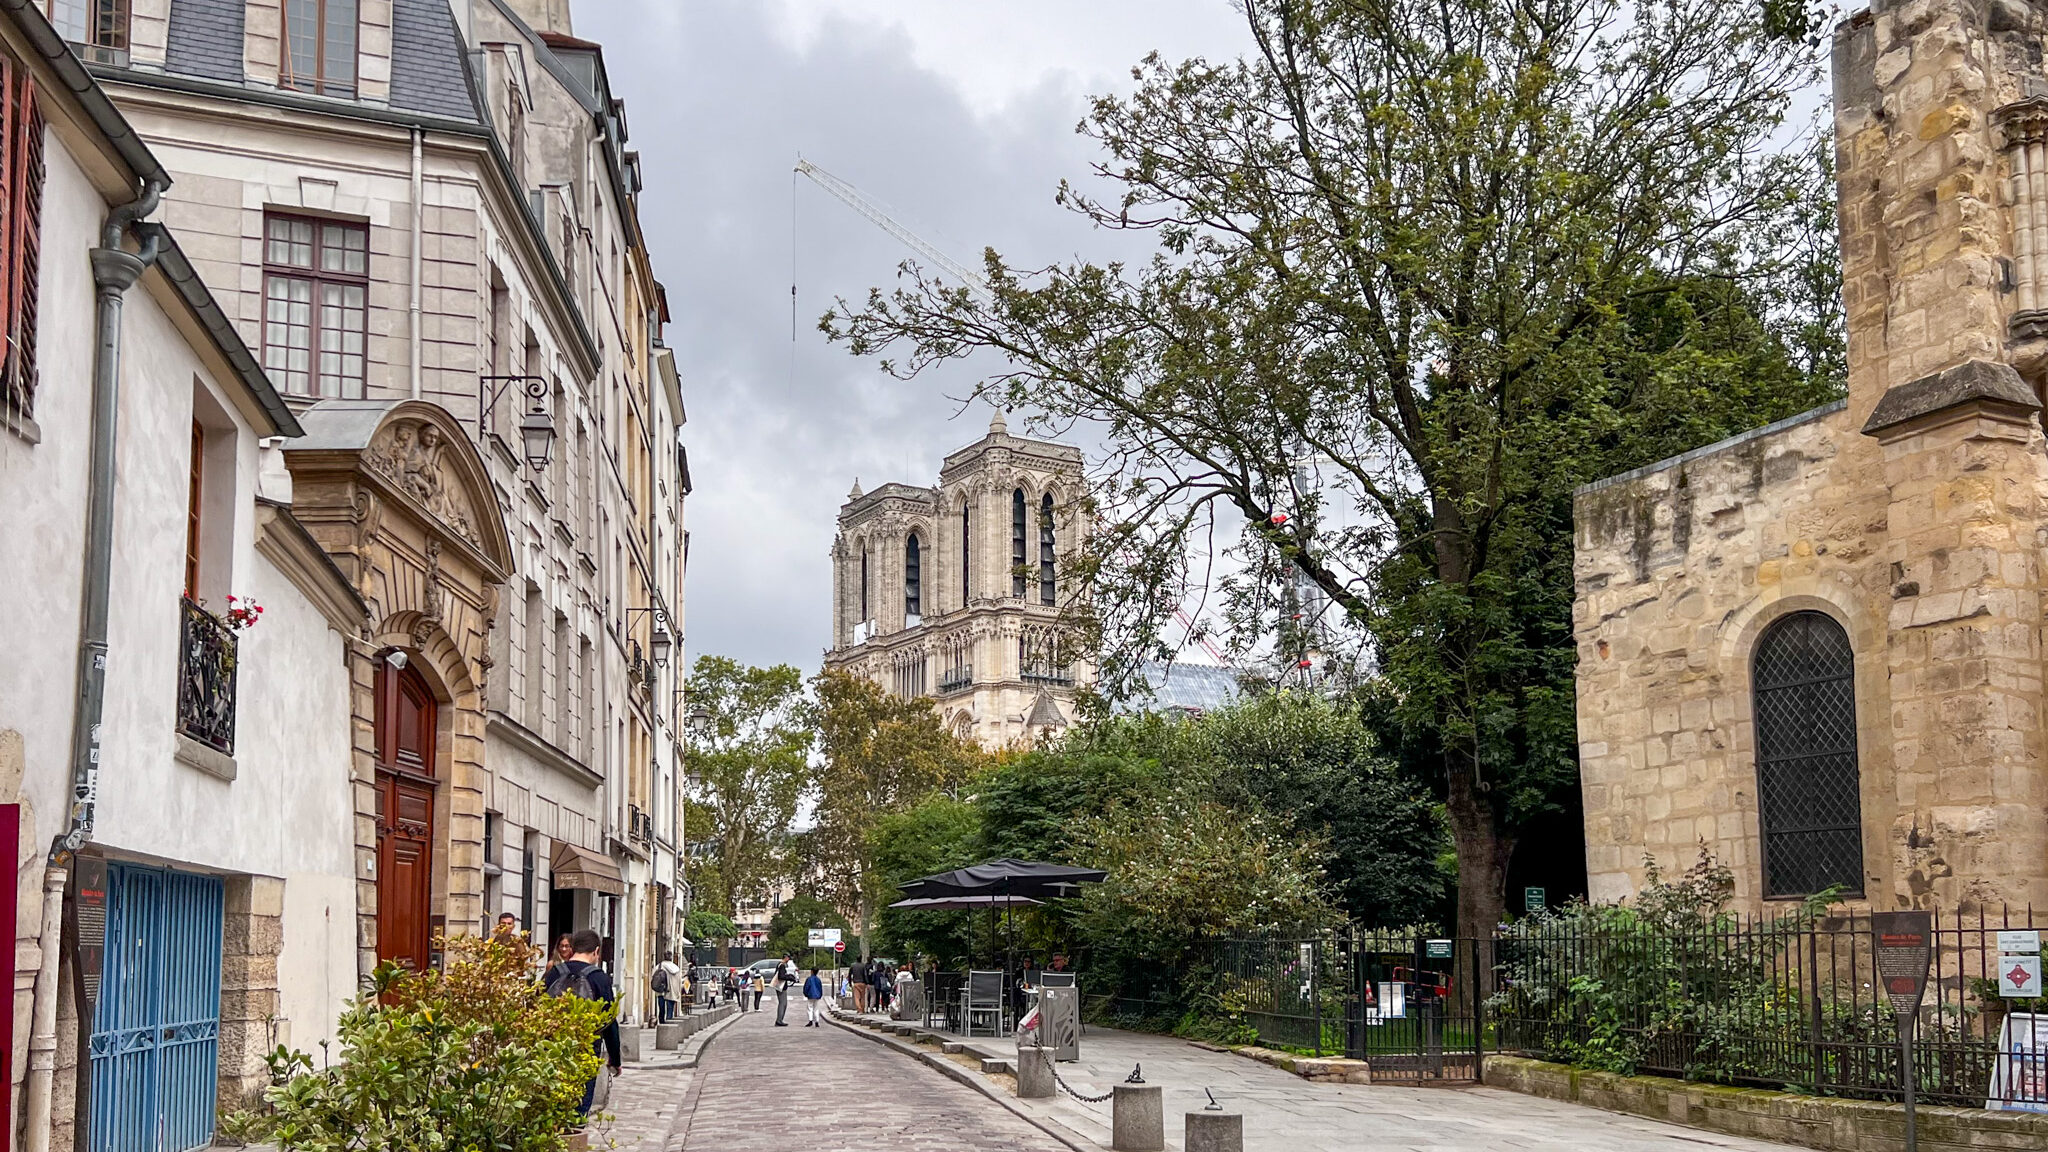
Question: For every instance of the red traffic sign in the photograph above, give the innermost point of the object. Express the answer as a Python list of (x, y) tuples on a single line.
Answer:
[(839, 945)]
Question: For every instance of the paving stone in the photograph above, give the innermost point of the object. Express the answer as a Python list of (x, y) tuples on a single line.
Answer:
[(769, 1089)]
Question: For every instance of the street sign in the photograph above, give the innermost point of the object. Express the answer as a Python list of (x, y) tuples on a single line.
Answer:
[(1437, 949), (2019, 977), (1904, 948), (2019, 941), (823, 937), (1533, 900), (839, 945)]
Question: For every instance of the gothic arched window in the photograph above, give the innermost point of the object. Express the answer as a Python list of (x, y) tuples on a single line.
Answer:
[(1017, 560), (913, 581), (966, 557), (1046, 582), (864, 616), (1808, 797)]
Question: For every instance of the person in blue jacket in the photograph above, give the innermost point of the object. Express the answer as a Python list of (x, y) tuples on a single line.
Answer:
[(814, 996)]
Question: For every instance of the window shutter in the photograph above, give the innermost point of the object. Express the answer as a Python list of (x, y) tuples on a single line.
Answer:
[(10, 249), (28, 237)]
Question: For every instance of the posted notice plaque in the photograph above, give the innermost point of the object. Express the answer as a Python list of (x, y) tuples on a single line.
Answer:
[(1905, 947)]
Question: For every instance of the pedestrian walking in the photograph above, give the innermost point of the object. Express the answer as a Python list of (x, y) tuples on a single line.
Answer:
[(667, 976), (859, 978), (730, 986), (579, 976), (814, 997), (760, 985), (881, 986), (785, 978), (564, 948)]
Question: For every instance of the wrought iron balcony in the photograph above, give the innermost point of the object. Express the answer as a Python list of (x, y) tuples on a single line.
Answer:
[(1056, 677), (206, 680), (955, 680)]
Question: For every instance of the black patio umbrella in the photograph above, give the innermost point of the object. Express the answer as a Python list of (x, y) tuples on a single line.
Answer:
[(1006, 882), (961, 903), (1038, 880)]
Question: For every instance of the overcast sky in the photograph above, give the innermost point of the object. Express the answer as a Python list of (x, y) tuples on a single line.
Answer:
[(957, 114)]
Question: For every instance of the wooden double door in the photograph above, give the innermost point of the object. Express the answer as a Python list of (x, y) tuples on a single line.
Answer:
[(406, 734)]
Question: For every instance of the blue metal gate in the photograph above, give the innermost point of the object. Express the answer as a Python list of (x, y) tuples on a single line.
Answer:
[(156, 1034)]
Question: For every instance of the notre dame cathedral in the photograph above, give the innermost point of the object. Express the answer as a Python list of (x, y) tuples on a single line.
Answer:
[(955, 591)]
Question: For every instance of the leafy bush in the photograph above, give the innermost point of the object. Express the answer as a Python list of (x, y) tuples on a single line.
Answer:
[(1672, 979), (472, 1057)]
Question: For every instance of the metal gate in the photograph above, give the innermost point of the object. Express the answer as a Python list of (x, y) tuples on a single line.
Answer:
[(1413, 1010), (156, 1033)]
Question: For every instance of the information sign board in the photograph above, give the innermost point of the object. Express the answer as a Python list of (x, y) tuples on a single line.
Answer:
[(1437, 949), (2019, 941), (2019, 1079), (2019, 977), (1905, 946), (823, 937), (1534, 899)]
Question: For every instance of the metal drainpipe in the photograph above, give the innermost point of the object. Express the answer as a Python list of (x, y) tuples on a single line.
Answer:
[(418, 234), (114, 271)]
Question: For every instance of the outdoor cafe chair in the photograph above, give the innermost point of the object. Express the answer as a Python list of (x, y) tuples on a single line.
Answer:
[(984, 1004)]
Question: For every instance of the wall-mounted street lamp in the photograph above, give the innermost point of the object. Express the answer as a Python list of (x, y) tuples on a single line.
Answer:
[(660, 643), (536, 428)]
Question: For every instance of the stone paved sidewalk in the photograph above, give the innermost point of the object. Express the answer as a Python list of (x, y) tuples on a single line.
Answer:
[(1284, 1113), (760, 1088)]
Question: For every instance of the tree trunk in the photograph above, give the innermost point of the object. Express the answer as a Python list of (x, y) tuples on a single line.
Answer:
[(1483, 853), (866, 918)]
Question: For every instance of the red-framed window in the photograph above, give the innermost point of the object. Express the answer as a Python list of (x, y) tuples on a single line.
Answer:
[(21, 211), (320, 47), (316, 287)]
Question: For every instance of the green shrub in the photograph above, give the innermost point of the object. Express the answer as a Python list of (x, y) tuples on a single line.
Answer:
[(472, 1057)]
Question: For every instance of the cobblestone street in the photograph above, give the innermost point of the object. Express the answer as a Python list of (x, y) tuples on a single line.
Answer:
[(760, 1088)]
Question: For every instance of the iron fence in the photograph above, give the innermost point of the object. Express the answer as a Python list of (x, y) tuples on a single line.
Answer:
[(206, 679), (1789, 1002)]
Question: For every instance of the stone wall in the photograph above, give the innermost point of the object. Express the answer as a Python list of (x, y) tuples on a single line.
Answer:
[(1825, 1122), (1679, 567), (1912, 515)]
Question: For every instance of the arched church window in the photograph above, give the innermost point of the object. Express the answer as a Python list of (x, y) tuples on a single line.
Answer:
[(913, 581), (966, 557), (1047, 591), (1017, 558), (865, 615), (1808, 792)]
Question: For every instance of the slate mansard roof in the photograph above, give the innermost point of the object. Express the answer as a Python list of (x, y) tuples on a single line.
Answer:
[(429, 71)]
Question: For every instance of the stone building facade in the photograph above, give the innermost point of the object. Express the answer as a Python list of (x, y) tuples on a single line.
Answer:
[(1816, 648), (438, 206), (956, 592)]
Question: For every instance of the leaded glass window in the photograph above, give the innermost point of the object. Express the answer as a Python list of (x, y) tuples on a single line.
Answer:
[(1808, 789)]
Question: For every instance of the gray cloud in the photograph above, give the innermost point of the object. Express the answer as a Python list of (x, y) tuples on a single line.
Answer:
[(958, 115)]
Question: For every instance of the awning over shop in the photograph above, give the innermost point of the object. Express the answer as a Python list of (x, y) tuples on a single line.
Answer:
[(581, 868)]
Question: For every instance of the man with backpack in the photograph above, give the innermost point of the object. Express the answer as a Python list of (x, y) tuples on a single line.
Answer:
[(579, 976), (785, 977), (666, 976)]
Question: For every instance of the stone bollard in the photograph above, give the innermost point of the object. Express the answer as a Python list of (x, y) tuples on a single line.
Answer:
[(632, 1042), (667, 1036), (1215, 1132), (1137, 1119), (1034, 1072)]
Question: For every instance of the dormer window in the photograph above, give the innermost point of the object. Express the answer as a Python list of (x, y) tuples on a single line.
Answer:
[(96, 29), (320, 47)]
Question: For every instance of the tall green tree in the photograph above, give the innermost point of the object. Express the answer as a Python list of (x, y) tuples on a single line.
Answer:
[(1423, 267), (747, 762), (937, 835), (878, 754)]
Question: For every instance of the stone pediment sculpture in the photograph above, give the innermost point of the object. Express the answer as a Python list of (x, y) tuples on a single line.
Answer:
[(410, 453), (413, 449)]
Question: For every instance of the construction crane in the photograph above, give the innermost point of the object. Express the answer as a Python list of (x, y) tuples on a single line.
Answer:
[(853, 198)]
